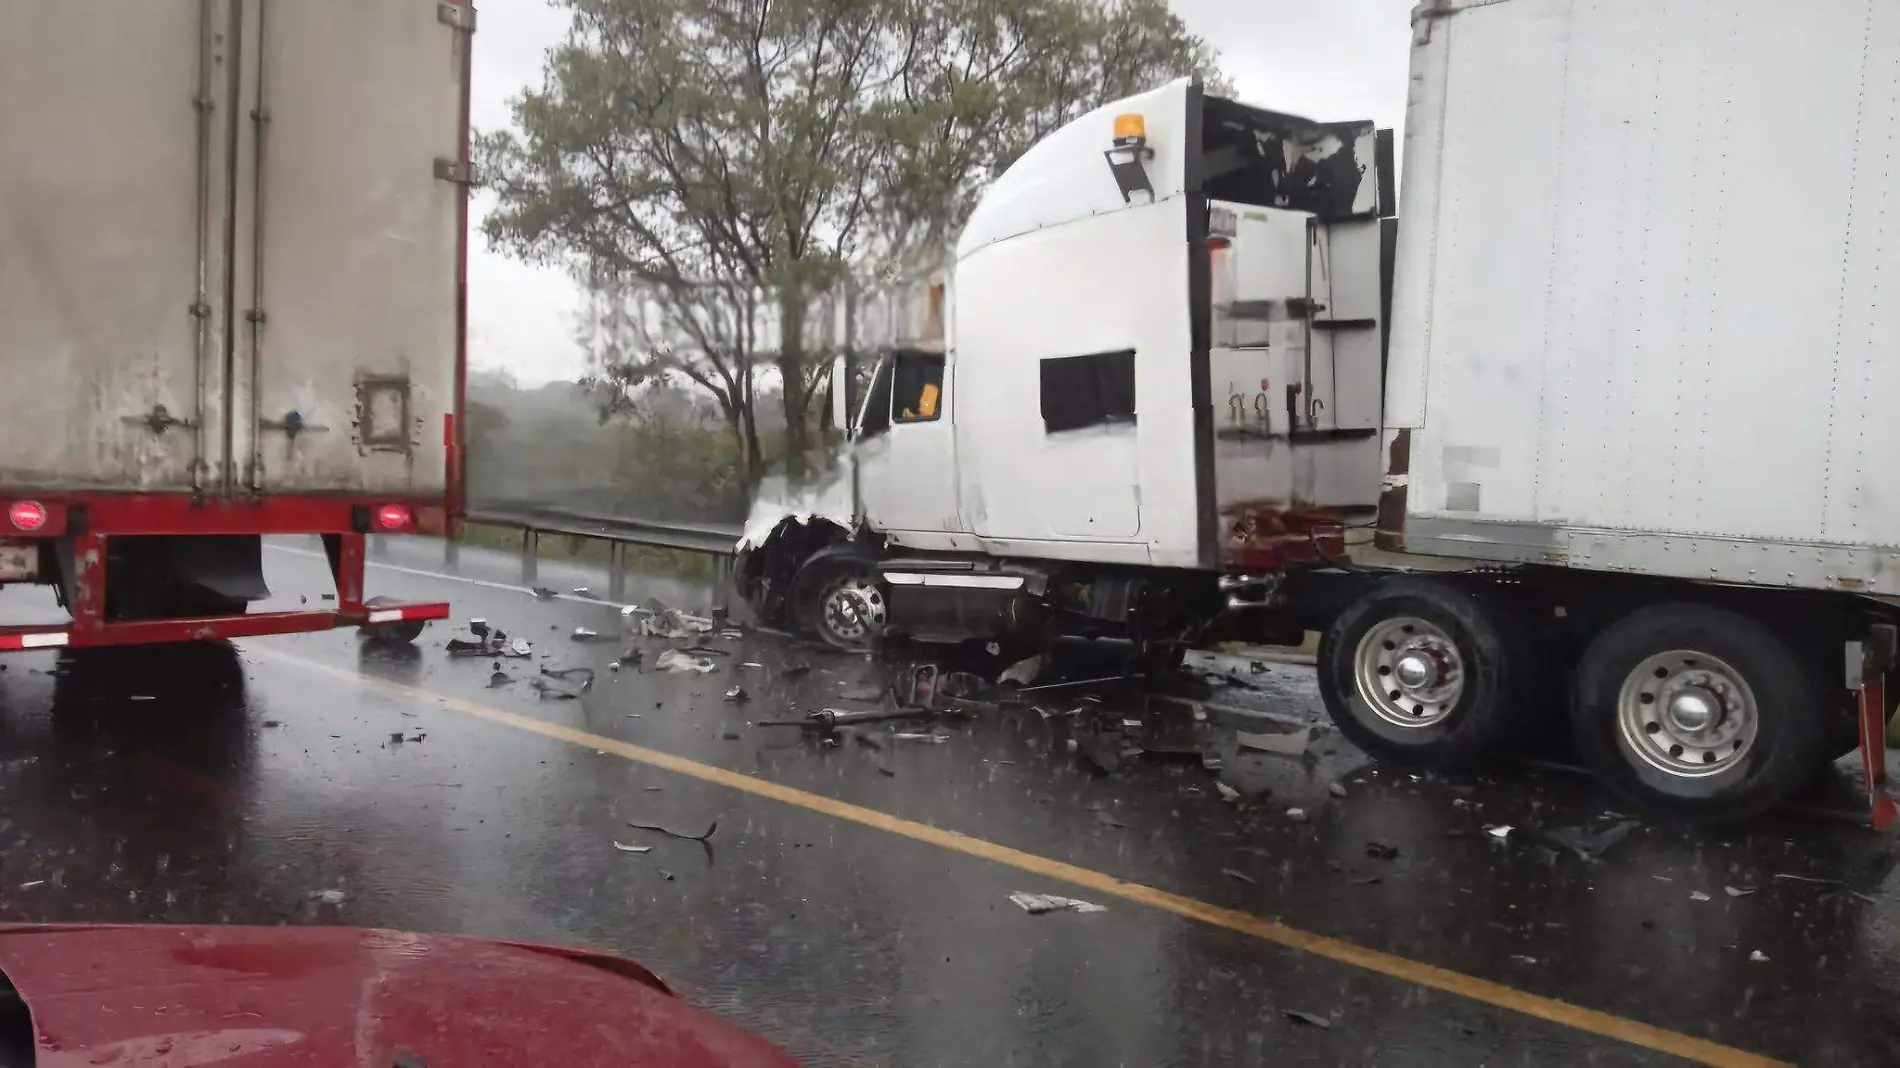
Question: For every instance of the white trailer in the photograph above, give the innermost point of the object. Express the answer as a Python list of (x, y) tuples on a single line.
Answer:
[(232, 247), (1609, 405)]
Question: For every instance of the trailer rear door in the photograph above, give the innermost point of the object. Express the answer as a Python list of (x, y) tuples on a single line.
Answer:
[(111, 244), (354, 227)]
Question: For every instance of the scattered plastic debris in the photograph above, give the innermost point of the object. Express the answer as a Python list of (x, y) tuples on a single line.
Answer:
[(1758, 956), (832, 718), (1297, 815), (143, 697), (1522, 959), (1311, 1019), (737, 695), (624, 848), (1809, 879), (1337, 789), (1500, 831), (1381, 851), (664, 622), (269, 723), (1697, 895), (708, 833), (1240, 875), (1738, 891), (582, 591), (499, 678), (1589, 846), (329, 897), (542, 593), (1021, 673), (667, 875), (1285, 743), (1037, 904), (34, 883), (585, 634), (1227, 793), (915, 736), (860, 692), (520, 649), (675, 660)]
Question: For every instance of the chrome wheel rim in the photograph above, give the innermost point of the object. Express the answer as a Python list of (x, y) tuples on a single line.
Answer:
[(854, 610), (1688, 714), (1409, 672)]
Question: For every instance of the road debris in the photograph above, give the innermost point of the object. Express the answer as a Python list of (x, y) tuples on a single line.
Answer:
[(1809, 879), (1697, 895), (1758, 956), (708, 833), (832, 718), (1589, 846), (1240, 875), (1021, 673), (1382, 851), (1337, 789), (677, 661), (916, 736), (1522, 959), (1312, 1019), (478, 627), (582, 591), (269, 723), (1037, 904), (1297, 815), (1227, 793), (860, 691), (624, 848), (1738, 891), (667, 875), (1500, 831), (32, 884), (542, 593), (499, 678), (664, 622), (585, 634), (1285, 743), (328, 897), (737, 695)]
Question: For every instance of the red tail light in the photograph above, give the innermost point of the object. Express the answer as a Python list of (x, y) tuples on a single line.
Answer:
[(28, 516), (393, 516)]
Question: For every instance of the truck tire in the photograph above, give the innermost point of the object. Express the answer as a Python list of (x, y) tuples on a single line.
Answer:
[(1699, 712), (839, 597), (1424, 672)]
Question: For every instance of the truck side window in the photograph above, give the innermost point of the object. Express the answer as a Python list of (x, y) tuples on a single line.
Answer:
[(916, 387), (1085, 391)]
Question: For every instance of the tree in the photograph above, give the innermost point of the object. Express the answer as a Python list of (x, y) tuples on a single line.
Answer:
[(732, 161)]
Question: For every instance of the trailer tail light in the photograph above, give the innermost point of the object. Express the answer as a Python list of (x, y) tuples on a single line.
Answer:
[(27, 516), (393, 517)]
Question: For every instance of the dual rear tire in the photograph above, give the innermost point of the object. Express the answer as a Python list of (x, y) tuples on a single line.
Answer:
[(1689, 709)]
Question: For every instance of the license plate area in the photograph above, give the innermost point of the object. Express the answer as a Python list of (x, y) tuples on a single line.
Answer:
[(19, 561)]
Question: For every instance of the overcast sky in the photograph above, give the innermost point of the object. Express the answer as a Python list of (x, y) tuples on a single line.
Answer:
[(1323, 59)]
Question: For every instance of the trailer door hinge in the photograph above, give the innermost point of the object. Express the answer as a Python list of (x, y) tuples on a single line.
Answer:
[(449, 170), (461, 16)]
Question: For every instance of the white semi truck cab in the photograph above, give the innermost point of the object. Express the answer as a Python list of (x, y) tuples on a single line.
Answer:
[(1160, 365), (1611, 403)]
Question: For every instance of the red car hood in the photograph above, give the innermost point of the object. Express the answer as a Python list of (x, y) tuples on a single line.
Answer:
[(251, 997)]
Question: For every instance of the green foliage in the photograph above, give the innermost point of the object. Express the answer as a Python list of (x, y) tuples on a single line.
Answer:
[(723, 163)]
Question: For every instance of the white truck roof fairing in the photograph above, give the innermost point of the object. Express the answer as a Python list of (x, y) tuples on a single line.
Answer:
[(1063, 177)]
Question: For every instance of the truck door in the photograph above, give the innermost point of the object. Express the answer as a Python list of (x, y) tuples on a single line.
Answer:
[(907, 453), (349, 235), (111, 249)]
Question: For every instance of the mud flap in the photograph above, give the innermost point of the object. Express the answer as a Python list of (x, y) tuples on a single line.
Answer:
[(230, 566)]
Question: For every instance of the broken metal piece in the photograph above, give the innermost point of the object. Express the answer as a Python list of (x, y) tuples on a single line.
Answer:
[(1037, 904), (676, 834), (633, 848), (1310, 1018)]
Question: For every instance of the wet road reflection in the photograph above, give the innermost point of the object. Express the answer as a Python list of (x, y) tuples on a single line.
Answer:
[(217, 786)]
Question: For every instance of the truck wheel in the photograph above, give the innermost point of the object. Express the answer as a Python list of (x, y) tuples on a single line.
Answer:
[(1699, 712), (1423, 672), (841, 599)]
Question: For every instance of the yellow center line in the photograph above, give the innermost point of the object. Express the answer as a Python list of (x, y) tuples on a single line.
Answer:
[(1496, 994)]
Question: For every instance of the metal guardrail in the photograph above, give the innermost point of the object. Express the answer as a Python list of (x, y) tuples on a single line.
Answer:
[(718, 540)]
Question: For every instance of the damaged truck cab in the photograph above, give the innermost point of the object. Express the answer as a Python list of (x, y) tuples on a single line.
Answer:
[(1157, 375)]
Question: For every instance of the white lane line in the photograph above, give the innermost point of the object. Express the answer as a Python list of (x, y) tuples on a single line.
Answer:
[(576, 598)]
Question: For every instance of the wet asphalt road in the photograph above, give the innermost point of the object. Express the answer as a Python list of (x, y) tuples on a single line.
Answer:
[(213, 786)]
